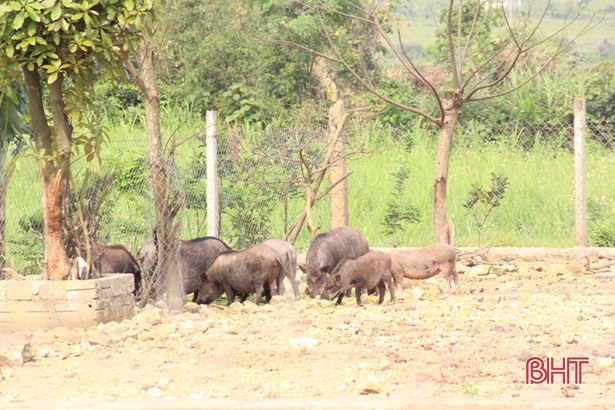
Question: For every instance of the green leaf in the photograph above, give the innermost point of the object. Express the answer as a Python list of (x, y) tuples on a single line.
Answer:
[(18, 20), (48, 3), (129, 4), (56, 12), (52, 77), (15, 5), (9, 50)]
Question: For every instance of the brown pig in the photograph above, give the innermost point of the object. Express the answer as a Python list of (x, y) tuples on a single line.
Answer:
[(424, 263), (364, 272)]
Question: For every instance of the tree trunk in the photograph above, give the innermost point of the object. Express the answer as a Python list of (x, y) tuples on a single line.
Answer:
[(451, 115), (54, 169), (166, 245), (338, 197)]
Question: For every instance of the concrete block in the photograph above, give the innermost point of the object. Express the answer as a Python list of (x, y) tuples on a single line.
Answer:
[(21, 290)]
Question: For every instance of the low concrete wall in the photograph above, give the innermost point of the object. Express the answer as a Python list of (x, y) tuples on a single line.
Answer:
[(45, 304)]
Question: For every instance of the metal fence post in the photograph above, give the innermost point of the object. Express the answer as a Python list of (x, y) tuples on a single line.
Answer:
[(213, 210), (580, 192)]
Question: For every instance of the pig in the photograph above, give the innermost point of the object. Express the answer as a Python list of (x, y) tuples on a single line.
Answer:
[(365, 272), (288, 255), (195, 257), (326, 251), (241, 273), (116, 259), (424, 263)]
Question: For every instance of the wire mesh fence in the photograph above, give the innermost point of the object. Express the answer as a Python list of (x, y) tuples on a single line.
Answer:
[(263, 177)]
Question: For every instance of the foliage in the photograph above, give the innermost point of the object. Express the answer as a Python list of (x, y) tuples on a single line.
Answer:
[(214, 58), (398, 211), (72, 38), (481, 202), (27, 244), (131, 167)]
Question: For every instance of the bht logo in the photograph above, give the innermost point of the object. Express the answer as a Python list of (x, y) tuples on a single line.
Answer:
[(539, 370)]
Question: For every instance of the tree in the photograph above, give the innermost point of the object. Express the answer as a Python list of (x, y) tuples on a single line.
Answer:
[(166, 202), (64, 43), (481, 52)]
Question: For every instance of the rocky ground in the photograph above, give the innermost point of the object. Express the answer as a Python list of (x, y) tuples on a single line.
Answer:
[(424, 349)]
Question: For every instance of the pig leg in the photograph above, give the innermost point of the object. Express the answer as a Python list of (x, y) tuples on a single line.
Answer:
[(381, 292), (339, 298), (230, 294), (293, 282), (451, 276), (358, 291), (259, 292), (281, 281), (389, 283)]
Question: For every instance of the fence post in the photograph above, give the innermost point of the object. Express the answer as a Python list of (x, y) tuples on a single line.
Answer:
[(580, 191), (213, 210)]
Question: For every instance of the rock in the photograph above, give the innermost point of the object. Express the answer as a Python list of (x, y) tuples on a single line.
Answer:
[(277, 299), (15, 348), (461, 268), (192, 307), (598, 365), (479, 270), (370, 385), (577, 267), (417, 293), (303, 344), (100, 339), (507, 286), (433, 372), (504, 269), (150, 315)]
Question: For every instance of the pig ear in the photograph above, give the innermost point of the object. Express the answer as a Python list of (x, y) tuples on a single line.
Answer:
[(303, 268), (338, 280)]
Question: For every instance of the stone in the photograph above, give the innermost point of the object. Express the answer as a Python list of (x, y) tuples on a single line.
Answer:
[(192, 307), (479, 270), (15, 348), (100, 339), (370, 385)]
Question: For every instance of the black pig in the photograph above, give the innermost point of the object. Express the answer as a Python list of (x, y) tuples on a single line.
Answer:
[(195, 257), (326, 251), (365, 272), (241, 273)]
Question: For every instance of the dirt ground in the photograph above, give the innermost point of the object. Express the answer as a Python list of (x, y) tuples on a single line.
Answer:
[(424, 350)]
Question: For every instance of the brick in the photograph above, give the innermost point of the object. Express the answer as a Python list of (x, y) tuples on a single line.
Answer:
[(52, 289), (81, 295), (21, 290)]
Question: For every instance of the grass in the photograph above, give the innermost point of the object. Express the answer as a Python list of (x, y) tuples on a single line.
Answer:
[(537, 209)]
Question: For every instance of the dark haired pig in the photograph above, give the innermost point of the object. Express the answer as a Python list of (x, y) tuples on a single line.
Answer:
[(241, 273), (424, 263), (288, 256), (195, 257), (116, 259), (365, 272), (326, 251)]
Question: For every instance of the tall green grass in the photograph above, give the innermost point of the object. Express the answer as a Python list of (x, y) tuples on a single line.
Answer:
[(537, 210)]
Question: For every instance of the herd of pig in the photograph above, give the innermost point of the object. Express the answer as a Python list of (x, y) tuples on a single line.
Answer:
[(336, 261)]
